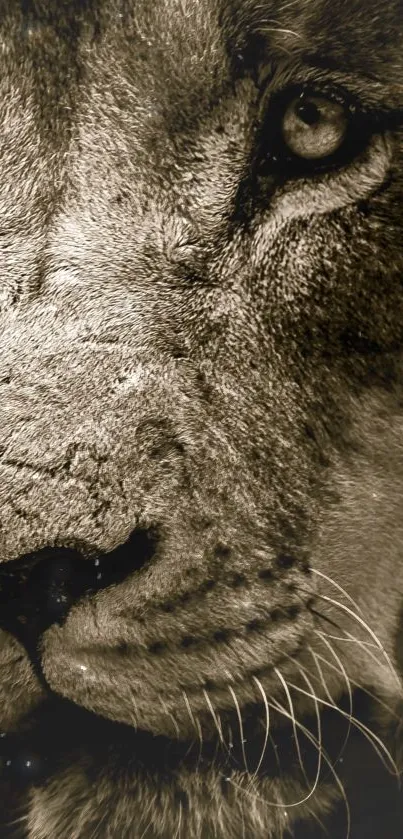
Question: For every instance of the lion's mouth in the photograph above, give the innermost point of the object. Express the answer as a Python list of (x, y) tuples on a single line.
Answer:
[(75, 723), (59, 733), (154, 669)]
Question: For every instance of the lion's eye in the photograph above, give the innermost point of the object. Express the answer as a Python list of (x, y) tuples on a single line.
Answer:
[(310, 130), (314, 127)]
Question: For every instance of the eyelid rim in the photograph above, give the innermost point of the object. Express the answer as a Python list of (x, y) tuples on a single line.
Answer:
[(374, 95)]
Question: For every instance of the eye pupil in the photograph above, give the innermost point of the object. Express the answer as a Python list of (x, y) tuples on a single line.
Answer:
[(308, 113)]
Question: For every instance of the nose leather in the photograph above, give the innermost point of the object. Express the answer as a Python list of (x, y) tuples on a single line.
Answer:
[(39, 589)]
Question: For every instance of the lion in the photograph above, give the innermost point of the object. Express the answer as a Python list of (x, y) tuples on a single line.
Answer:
[(201, 455)]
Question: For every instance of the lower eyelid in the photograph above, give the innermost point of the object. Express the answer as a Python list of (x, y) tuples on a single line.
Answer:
[(302, 197)]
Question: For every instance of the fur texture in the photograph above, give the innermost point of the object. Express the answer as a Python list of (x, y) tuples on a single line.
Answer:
[(203, 346)]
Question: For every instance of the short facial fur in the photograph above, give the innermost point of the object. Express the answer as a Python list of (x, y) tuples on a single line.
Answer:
[(205, 348)]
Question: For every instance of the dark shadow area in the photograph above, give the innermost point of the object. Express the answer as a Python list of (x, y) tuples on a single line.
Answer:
[(59, 734)]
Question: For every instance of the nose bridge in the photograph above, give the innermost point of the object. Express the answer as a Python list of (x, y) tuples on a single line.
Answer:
[(80, 447)]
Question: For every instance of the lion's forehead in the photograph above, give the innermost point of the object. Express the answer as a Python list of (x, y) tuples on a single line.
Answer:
[(167, 64)]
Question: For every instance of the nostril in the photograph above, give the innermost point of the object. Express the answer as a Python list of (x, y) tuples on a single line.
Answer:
[(39, 589), (131, 556), (36, 591)]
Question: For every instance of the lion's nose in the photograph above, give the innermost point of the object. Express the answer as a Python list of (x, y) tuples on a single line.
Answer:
[(38, 589)]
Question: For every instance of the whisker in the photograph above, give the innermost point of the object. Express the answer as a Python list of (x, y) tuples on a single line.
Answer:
[(323, 756), (189, 710), (339, 588), (241, 733), (359, 641), (288, 695), (285, 6), (318, 821), (14, 823), (214, 716), (275, 29), (357, 723), (178, 831), (230, 740), (168, 714), (267, 731), (197, 727), (352, 681), (314, 611), (367, 732), (319, 726), (340, 667), (145, 831), (369, 647), (324, 617), (275, 752), (352, 720), (368, 629), (370, 735), (200, 733), (316, 656)]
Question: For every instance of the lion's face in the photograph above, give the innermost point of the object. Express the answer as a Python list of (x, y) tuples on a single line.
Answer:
[(201, 402)]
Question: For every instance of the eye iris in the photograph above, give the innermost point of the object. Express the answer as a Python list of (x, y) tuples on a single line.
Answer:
[(314, 127)]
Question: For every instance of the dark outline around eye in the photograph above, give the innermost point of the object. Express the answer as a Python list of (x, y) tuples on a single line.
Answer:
[(276, 158)]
